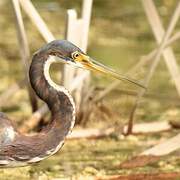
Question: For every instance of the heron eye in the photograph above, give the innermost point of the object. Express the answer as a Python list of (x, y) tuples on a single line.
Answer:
[(75, 55)]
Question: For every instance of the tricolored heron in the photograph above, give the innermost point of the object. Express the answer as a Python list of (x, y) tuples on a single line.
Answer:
[(17, 149)]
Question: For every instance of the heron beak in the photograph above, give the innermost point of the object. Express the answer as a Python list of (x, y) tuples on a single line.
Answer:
[(88, 63)]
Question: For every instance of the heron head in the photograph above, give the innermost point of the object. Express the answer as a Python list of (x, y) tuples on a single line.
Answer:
[(68, 53)]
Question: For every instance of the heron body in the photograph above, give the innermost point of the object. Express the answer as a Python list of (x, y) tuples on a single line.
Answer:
[(17, 149)]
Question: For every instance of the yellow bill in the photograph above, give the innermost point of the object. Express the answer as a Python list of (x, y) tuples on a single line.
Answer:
[(86, 62)]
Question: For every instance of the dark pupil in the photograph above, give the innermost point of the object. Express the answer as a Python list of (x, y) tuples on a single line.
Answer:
[(76, 55)]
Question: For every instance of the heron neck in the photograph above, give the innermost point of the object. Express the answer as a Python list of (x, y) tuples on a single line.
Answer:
[(57, 97)]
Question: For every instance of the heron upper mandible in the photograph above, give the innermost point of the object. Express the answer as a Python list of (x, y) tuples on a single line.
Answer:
[(17, 149)]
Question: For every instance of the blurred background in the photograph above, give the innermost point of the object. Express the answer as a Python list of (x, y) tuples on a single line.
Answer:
[(119, 36)]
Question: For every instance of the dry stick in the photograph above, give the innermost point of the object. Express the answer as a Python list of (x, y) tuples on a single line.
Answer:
[(24, 51), (147, 128), (159, 32), (164, 148), (37, 20), (90, 133), (74, 28), (71, 26), (34, 119), (148, 4), (175, 37), (86, 19), (141, 128), (153, 154)]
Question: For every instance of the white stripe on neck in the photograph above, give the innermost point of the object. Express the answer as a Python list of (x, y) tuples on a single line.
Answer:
[(47, 65)]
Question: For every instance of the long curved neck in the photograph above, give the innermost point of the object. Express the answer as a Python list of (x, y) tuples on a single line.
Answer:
[(57, 97)]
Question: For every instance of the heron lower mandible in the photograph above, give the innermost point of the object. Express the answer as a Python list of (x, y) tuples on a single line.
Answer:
[(17, 149)]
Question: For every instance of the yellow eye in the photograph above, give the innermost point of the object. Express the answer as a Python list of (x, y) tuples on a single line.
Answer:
[(75, 55)]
